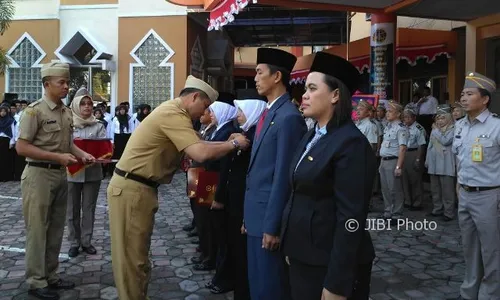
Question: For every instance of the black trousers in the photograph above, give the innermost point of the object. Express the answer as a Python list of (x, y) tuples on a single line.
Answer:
[(6, 160), (19, 164), (207, 240), (237, 257), (223, 271), (306, 281)]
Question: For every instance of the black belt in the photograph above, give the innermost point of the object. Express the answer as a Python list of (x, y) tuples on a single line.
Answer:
[(412, 149), (44, 165), (389, 158), (137, 178), (478, 188)]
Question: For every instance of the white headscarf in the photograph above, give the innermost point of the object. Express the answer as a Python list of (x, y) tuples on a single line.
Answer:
[(223, 112), (252, 109)]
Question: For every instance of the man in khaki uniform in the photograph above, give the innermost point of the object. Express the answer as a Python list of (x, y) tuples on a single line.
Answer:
[(45, 139), (151, 157)]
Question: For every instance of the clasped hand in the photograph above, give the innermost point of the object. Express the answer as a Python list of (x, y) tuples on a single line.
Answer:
[(242, 140)]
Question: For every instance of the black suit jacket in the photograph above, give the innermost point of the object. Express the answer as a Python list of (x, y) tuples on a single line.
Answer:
[(332, 184), (221, 135), (233, 176)]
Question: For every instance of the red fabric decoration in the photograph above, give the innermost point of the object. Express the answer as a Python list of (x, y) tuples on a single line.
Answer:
[(99, 148)]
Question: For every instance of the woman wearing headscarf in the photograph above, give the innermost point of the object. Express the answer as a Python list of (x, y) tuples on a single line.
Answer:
[(7, 141), (123, 126), (223, 115), (440, 163), (83, 187), (99, 115), (458, 111), (231, 192), (143, 111), (332, 175)]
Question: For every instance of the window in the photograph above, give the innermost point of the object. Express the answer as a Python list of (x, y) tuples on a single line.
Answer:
[(151, 78), (23, 75)]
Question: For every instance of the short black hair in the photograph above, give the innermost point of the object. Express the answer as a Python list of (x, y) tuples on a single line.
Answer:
[(285, 74), (188, 91), (485, 93), (343, 108), (426, 88)]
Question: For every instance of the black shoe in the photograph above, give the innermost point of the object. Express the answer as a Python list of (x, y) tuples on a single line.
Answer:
[(209, 285), (62, 285), (44, 293), (189, 227), (73, 251), (203, 267), (407, 206), (197, 260), (89, 250), (192, 233), (218, 290), (415, 208), (447, 219), (434, 215)]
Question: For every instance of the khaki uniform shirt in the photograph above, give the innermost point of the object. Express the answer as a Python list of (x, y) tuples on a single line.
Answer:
[(154, 150), (395, 135), (369, 129), (47, 126)]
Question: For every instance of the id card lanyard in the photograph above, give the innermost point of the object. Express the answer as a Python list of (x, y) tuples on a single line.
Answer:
[(477, 152)]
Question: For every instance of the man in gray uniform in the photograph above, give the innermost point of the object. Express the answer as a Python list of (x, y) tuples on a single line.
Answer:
[(366, 125), (392, 153), (477, 147)]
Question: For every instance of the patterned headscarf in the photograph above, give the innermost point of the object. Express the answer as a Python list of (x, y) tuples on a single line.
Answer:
[(78, 120)]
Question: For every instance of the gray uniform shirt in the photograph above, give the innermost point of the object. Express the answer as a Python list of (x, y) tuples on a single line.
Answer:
[(485, 131), (417, 136), (380, 127), (440, 160), (93, 172), (369, 129), (395, 135)]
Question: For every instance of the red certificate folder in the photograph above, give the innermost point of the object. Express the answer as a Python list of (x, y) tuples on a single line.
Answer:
[(207, 185), (101, 149)]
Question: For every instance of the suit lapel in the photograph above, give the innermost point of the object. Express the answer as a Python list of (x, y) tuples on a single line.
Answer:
[(316, 155), (298, 153), (267, 121)]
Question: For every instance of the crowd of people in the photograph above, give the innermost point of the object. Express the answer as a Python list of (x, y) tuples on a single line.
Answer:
[(276, 228)]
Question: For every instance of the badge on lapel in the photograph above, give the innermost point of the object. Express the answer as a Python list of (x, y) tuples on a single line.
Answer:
[(272, 122), (310, 158)]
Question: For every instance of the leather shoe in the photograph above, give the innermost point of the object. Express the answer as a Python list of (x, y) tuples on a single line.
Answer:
[(197, 260), (189, 227), (203, 267), (44, 293), (73, 252), (89, 250), (192, 233), (62, 285)]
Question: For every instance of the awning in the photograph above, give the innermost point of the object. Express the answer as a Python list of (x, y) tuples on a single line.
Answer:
[(412, 44), (224, 13)]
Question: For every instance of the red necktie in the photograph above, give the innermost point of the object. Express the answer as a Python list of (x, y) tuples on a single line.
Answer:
[(261, 123)]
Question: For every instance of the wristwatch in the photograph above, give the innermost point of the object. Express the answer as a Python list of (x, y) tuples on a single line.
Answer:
[(235, 143), (398, 168)]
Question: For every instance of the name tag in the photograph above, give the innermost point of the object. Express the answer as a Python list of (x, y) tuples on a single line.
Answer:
[(51, 122), (386, 144), (477, 153)]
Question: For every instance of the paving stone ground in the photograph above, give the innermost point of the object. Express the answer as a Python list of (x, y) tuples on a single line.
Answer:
[(410, 263)]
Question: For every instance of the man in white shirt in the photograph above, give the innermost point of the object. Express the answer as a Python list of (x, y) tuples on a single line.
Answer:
[(427, 108)]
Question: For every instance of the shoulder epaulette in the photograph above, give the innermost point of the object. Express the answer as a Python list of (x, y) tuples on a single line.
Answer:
[(35, 103), (495, 115), (402, 124), (420, 127), (371, 120)]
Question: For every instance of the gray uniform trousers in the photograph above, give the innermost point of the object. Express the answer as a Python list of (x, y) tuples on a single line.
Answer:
[(392, 189), (479, 220), (443, 195), (412, 181), (81, 196)]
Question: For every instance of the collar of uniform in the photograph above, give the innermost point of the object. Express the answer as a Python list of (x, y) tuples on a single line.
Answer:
[(482, 116), (50, 103), (321, 130), (177, 102), (361, 121), (269, 105)]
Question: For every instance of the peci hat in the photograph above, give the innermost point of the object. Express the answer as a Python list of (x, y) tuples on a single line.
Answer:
[(411, 108), (476, 80), (337, 67), (395, 105), (56, 68), (226, 97), (244, 94), (195, 83), (365, 104), (276, 57)]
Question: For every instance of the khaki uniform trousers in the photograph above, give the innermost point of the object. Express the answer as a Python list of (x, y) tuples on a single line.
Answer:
[(412, 181), (392, 189), (132, 208), (82, 197), (479, 220), (45, 194), (443, 195)]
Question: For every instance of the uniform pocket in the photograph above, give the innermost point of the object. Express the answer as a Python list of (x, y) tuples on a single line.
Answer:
[(52, 127)]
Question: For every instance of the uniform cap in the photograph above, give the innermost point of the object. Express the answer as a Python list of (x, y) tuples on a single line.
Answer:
[(244, 94), (381, 105), (457, 104), (395, 105), (276, 57), (195, 83), (365, 104), (337, 67), (443, 109), (82, 92), (57, 69), (411, 108), (476, 80)]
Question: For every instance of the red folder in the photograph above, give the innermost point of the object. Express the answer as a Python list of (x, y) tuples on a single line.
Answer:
[(207, 185), (101, 149)]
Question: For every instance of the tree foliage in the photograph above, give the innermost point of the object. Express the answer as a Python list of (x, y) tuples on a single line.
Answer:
[(7, 10)]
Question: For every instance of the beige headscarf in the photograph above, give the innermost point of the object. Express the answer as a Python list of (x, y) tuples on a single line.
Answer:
[(78, 121)]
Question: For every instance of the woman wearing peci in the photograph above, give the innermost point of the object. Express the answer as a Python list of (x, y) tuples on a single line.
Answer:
[(332, 177), (83, 187)]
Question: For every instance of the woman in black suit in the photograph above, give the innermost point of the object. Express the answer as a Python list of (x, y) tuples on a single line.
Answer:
[(332, 176), (231, 192)]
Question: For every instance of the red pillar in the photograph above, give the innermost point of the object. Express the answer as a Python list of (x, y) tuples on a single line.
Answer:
[(382, 56)]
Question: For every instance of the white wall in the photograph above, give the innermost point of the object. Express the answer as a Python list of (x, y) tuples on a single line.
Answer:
[(140, 8), (100, 23), (361, 28), (36, 9)]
